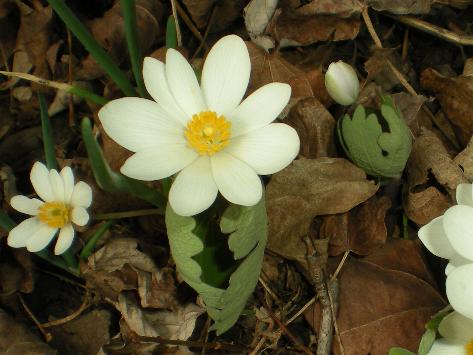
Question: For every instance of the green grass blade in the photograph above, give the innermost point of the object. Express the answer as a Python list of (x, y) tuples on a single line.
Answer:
[(89, 247), (111, 181), (88, 95), (99, 54), (48, 137), (171, 33), (129, 16)]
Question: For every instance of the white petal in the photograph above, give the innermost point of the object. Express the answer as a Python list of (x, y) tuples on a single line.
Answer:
[(39, 177), (79, 216), (260, 108), (459, 287), (194, 189), (183, 84), (68, 180), (456, 327), (458, 225), (435, 239), (464, 194), (445, 347), (57, 185), (21, 233), (81, 195), (154, 74), (236, 181), (40, 238), (64, 241), (136, 123), (157, 163), (267, 150), (454, 262), (26, 205), (226, 74)]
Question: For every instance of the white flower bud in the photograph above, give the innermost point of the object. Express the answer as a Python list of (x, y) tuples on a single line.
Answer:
[(342, 83)]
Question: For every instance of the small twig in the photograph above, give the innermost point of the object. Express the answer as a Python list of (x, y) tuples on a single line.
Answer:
[(302, 310), (333, 297), (370, 27), (70, 317), (47, 336), (268, 289), (442, 33), (206, 33), (339, 267), (128, 214), (188, 22), (405, 45), (206, 334), (176, 21)]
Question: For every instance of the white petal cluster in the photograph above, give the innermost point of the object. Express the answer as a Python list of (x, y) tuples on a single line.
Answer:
[(457, 336), (451, 237), (62, 204), (164, 133), (342, 83)]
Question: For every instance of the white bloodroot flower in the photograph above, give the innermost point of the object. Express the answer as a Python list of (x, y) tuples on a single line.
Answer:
[(451, 237), (457, 333), (206, 133), (342, 83), (63, 205)]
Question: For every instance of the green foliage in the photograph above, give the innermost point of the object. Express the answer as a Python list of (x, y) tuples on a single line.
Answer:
[(379, 152), (198, 255), (427, 341), (110, 180), (171, 33), (400, 351)]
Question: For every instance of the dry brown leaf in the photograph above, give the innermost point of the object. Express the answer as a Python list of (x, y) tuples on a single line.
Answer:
[(411, 108), (257, 15), (384, 300), (119, 266), (361, 230), (199, 11), (315, 127), (429, 159), (341, 8), (454, 95), (309, 188), (465, 160), (293, 30), (402, 7), (267, 68)]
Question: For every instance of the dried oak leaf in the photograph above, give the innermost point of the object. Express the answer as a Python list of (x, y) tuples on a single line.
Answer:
[(119, 266), (402, 7), (341, 8), (295, 30), (361, 230), (454, 95), (315, 126), (385, 300), (465, 160), (267, 68), (430, 160), (309, 188)]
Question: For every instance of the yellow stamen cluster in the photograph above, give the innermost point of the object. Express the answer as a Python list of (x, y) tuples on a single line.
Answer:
[(469, 347), (208, 133), (54, 214)]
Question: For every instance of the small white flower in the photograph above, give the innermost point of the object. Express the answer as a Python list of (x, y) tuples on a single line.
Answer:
[(451, 237), (342, 83), (63, 204), (215, 141), (457, 333)]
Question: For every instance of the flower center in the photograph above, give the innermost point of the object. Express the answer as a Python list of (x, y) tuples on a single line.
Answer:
[(208, 133), (54, 214), (469, 347)]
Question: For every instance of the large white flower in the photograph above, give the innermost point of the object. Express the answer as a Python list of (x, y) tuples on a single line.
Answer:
[(215, 141), (63, 204), (457, 333), (451, 237)]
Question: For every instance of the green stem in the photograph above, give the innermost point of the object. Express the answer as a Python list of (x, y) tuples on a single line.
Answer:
[(129, 16), (99, 54), (171, 33), (128, 214), (48, 138), (89, 247), (88, 95)]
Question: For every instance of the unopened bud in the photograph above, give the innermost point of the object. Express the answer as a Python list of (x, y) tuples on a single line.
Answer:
[(342, 83)]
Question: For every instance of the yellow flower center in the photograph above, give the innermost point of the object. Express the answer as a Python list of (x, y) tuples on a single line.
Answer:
[(208, 133), (469, 347), (54, 214)]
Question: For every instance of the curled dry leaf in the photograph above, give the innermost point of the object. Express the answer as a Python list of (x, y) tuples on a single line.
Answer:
[(361, 230), (315, 127), (119, 266), (385, 300), (309, 188), (257, 15), (267, 68), (465, 160), (454, 95), (293, 30), (429, 159)]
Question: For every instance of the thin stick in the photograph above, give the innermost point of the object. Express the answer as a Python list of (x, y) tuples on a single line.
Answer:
[(339, 267), (70, 317), (189, 22), (128, 214), (206, 33), (405, 45), (47, 336), (176, 20), (268, 289), (370, 27), (302, 310), (333, 290)]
